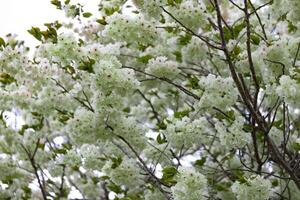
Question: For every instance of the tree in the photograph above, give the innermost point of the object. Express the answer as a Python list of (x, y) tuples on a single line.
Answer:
[(155, 99)]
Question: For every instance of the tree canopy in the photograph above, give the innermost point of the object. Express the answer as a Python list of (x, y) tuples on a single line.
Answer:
[(154, 100)]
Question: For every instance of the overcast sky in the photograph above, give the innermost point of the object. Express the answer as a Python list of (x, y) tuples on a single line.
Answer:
[(17, 16)]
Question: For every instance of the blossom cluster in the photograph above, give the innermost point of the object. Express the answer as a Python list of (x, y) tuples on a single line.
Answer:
[(191, 14), (130, 30), (191, 185), (287, 89), (124, 174), (233, 135), (151, 8), (161, 67), (255, 188), (218, 92), (187, 132)]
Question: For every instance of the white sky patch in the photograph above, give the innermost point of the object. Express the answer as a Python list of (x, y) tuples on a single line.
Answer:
[(18, 16), (13, 119), (170, 112), (74, 193), (152, 134)]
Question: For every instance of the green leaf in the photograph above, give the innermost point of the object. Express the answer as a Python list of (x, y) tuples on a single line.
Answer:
[(142, 47), (27, 192), (127, 109), (223, 186), (38, 126), (181, 114), (60, 151), (87, 14), (184, 39), (247, 128), (170, 29), (233, 33), (210, 8), (115, 188), (161, 125), (238, 28), (116, 162), (275, 182), (80, 42), (77, 9), (178, 56), (101, 21), (227, 34), (56, 3), (87, 65), (282, 17), (55, 25), (2, 42), (161, 139), (169, 174), (178, 1), (104, 178), (240, 176), (173, 2), (64, 116), (229, 114), (50, 33), (193, 82), (235, 52), (255, 39), (41, 145), (291, 27), (6, 79), (200, 162), (145, 59), (36, 32), (135, 12), (95, 180), (70, 69), (296, 146), (110, 11), (278, 124), (67, 146)]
